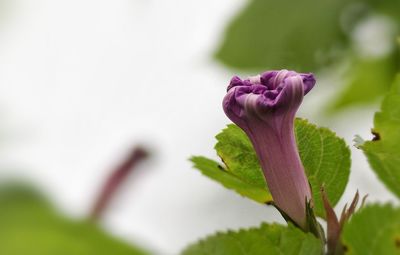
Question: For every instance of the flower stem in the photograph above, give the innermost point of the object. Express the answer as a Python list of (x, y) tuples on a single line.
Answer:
[(114, 181)]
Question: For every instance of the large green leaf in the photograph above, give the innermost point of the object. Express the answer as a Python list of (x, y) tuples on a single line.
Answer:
[(270, 34), (268, 239), (383, 152), (302, 35), (325, 157), (373, 230), (29, 225)]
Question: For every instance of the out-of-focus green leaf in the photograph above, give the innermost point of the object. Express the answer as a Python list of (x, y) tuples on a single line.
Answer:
[(325, 157), (375, 229), (270, 34), (229, 180), (390, 8), (383, 152), (271, 239), (307, 36), (367, 80), (29, 225)]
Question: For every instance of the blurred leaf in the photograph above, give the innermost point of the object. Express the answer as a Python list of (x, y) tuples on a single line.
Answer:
[(374, 229), (28, 225), (268, 239), (325, 157), (288, 34), (213, 170), (367, 80), (390, 8), (309, 35), (383, 152)]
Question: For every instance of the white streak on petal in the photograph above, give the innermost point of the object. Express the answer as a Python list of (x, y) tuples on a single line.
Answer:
[(255, 79), (280, 77)]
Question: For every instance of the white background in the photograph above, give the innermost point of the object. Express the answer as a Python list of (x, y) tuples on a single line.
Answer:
[(82, 81)]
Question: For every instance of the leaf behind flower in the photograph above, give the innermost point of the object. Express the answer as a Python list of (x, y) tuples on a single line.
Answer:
[(326, 159)]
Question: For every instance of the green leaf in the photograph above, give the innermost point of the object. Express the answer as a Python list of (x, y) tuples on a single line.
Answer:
[(267, 239), (235, 149), (374, 229), (213, 170), (29, 225), (270, 34), (325, 157), (367, 80), (383, 152)]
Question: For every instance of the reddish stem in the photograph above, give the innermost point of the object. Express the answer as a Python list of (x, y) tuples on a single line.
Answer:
[(116, 178)]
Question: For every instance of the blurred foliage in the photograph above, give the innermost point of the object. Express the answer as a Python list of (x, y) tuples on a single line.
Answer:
[(272, 239), (326, 159), (383, 152), (29, 225), (374, 229), (283, 34), (309, 35), (366, 80), (386, 7)]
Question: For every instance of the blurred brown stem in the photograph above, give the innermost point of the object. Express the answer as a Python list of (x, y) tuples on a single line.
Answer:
[(116, 178)]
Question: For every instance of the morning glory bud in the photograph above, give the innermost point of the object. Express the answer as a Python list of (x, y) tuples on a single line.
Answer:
[(265, 106)]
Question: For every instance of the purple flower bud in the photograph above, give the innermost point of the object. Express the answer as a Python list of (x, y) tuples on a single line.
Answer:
[(264, 107)]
